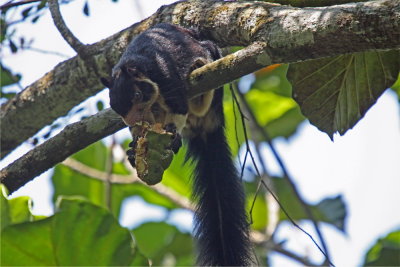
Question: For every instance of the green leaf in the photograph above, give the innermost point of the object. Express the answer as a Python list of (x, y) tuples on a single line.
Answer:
[(333, 211), (178, 175), (285, 119), (25, 12), (396, 86), (330, 210), (3, 31), (99, 105), (181, 247), (164, 243), (68, 182), (152, 237), (335, 93), (41, 5), (80, 233), (28, 244), (286, 124), (259, 214), (273, 79), (268, 106), (13, 47), (86, 9), (94, 156), (15, 210), (122, 191), (7, 77), (386, 251), (35, 19)]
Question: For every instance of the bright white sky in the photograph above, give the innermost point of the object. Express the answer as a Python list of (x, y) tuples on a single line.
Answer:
[(363, 165)]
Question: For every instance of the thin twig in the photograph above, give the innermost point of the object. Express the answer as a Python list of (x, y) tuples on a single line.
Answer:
[(128, 179), (303, 260), (286, 176), (81, 49), (236, 135), (97, 174), (273, 209), (43, 51), (272, 193), (109, 172), (19, 3)]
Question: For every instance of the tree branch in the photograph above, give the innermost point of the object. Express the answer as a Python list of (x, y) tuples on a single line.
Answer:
[(314, 3), (301, 259), (127, 179), (73, 138), (9, 4), (290, 34), (80, 48)]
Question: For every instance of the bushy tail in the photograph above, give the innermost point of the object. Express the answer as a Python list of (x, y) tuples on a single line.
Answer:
[(221, 225)]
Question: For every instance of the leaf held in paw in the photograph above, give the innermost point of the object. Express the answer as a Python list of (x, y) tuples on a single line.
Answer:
[(153, 153)]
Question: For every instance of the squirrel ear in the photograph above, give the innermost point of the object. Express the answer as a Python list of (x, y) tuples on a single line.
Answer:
[(132, 71), (129, 69), (106, 82)]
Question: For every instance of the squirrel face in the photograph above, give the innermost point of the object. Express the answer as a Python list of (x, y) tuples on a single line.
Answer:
[(132, 95)]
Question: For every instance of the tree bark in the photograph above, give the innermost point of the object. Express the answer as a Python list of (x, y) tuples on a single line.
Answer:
[(73, 138)]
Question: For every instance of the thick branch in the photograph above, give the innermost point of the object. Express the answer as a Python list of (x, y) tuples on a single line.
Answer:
[(73, 138), (314, 3), (291, 35)]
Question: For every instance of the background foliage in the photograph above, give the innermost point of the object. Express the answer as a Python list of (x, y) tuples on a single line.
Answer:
[(84, 229)]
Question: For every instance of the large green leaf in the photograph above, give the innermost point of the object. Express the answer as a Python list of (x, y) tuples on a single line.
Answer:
[(68, 182), (331, 210), (286, 124), (78, 234), (268, 106), (15, 210), (386, 251), (275, 110), (335, 93), (164, 243)]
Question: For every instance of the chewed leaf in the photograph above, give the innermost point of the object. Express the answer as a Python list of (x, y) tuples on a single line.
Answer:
[(335, 93)]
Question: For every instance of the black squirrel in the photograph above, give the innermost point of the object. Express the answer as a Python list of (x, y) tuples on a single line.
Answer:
[(149, 83)]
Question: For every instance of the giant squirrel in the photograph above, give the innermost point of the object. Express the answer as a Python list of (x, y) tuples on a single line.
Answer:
[(149, 83)]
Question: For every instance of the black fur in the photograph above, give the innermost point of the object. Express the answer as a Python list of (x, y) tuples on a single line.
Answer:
[(221, 226), (166, 54), (163, 54)]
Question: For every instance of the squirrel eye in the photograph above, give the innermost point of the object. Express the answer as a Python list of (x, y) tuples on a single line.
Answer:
[(137, 96)]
